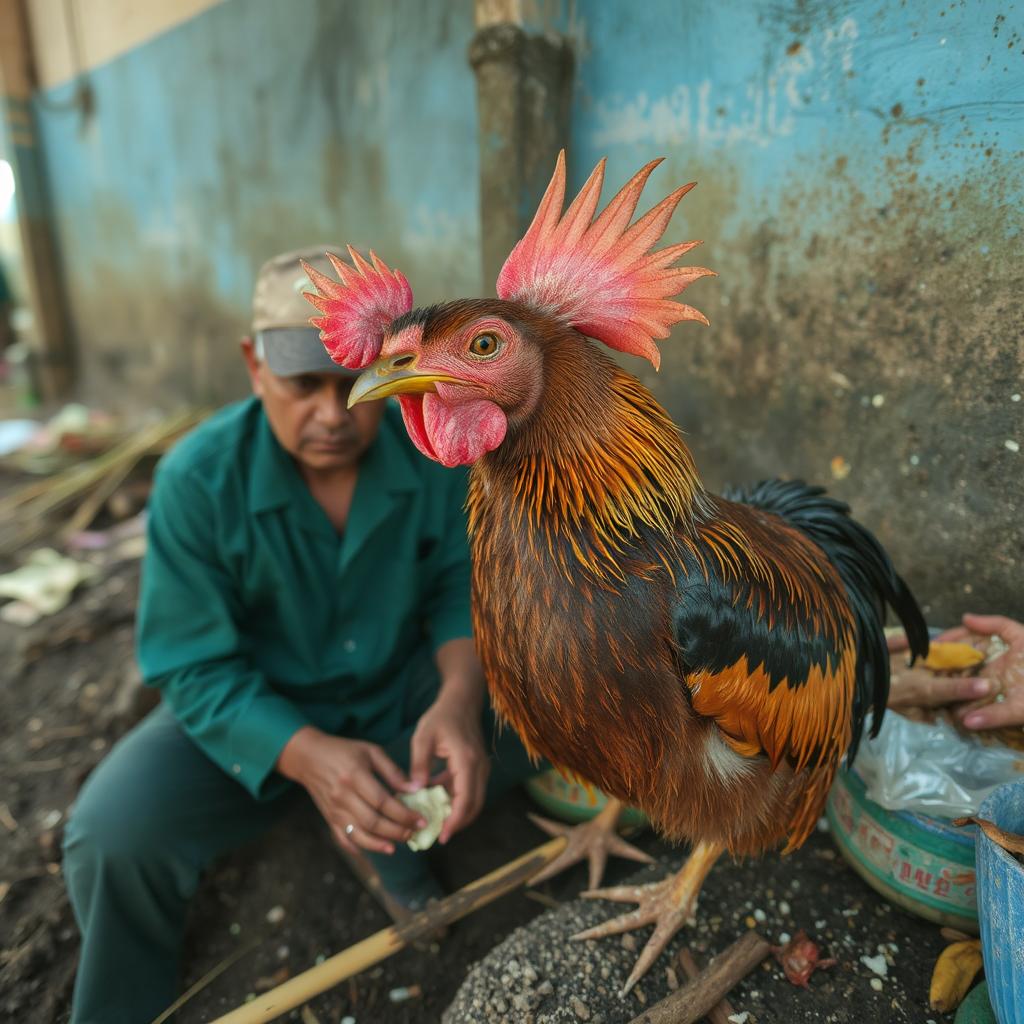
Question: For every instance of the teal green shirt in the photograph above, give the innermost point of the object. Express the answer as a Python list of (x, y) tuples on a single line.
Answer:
[(256, 618)]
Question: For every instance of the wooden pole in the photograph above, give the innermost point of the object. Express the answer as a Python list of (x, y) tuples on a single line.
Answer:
[(390, 940), (35, 210), (719, 1013), (692, 1001)]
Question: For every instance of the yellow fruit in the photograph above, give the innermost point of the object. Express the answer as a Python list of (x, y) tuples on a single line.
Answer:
[(956, 968), (952, 657)]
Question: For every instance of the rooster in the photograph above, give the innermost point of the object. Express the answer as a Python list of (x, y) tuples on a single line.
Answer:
[(710, 660)]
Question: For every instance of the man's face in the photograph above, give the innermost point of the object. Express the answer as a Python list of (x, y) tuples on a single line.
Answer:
[(309, 415)]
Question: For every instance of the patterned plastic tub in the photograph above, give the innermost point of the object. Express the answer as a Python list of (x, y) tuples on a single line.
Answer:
[(922, 864), (1001, 902), (572, 801)]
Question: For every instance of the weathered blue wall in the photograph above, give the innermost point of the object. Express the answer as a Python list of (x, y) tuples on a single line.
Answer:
[(253, 128), (861, 194), (861, 179)]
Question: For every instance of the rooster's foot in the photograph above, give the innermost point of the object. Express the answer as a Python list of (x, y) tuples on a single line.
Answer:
[(668, 905), (595, 840)]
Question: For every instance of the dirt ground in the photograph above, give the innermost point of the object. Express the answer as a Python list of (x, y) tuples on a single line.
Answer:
[(68, 689)]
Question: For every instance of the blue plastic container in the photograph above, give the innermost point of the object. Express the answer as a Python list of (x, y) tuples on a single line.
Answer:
[(1001, 905)]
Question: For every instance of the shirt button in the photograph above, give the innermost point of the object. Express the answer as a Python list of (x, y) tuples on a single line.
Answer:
[(237, 769), (349, 645)]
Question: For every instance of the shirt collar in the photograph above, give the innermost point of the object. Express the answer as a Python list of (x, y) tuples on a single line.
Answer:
[(275, 480)]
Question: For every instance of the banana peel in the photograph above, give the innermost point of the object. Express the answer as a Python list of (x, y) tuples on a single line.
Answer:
[(955, 971), (952, 657)]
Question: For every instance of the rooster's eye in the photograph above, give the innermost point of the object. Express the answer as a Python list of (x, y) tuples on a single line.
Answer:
[(483, 346)]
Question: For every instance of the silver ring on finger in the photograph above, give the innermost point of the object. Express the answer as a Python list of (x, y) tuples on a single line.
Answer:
[(349, 829)]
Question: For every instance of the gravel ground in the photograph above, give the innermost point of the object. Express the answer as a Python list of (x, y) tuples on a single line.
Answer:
[(538, 976)]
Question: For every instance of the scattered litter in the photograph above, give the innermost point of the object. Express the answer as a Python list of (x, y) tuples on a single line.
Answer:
[(51, 819), (7, 819), (877, 964), (404, 993), (850, 912), (1009, 841), (347, 1020), (739, 1018), (784, 937), (42, 586), (268, 981), (275, 915), (117, 535), (840, 467), (282, 952), (784, 908), (876, 984), (878, 401), (434, 803), (15, 434), (819, 925), (1011, 446), (800, 958), (760, 917), (77, 494), (235, 928)]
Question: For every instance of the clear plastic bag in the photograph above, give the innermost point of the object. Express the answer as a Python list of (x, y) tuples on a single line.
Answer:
[(930, 768)]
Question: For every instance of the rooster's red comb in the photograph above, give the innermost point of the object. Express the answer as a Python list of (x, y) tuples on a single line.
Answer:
[(358, 308), (601, 276)]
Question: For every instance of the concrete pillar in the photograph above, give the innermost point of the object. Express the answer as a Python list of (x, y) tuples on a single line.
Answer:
[(524, 87), (35, 219)]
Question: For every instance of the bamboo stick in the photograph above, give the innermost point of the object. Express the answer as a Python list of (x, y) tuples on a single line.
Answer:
[(689, 1003), (26, 510), (389, 941)]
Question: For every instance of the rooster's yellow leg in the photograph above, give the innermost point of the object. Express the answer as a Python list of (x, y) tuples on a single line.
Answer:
[(667, 904), (594, 839)]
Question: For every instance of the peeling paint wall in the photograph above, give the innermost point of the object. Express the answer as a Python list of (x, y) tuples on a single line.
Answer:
[(861, 184), (252, 128), (861, 177)]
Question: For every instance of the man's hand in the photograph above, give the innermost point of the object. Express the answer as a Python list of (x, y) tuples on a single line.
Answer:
[(1002, 678), (344, 779), (450, 731)]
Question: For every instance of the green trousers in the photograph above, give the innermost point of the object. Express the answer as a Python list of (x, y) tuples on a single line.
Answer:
[(151, 817)]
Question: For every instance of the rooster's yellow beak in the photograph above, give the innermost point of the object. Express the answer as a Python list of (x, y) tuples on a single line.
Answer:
[(395, 375)]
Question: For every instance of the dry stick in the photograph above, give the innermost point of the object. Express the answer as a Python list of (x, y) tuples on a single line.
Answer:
[(36, 501), (90, 507), (390, 940), (718, 1014), (210, 975), (691, 1002)]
